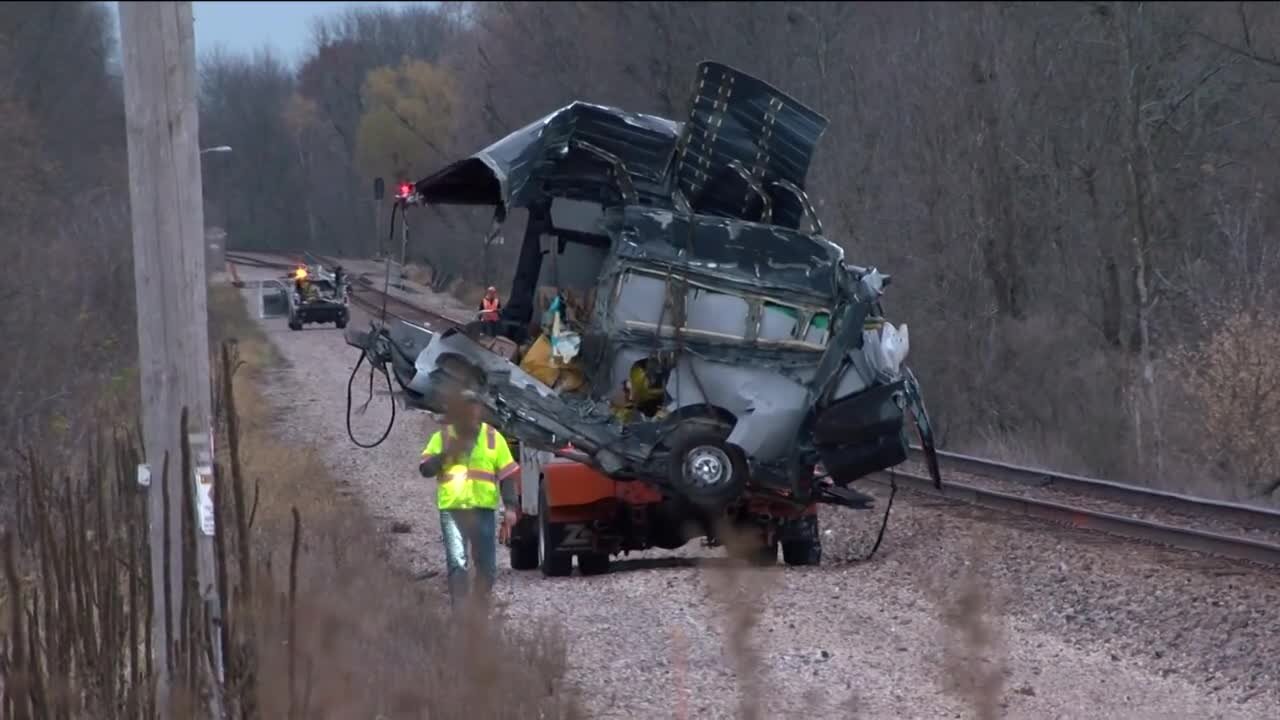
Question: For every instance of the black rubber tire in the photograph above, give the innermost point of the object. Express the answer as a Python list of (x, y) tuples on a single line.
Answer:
[(709, 443), (524, 544), (802, 552), (342, 323), (799, 553), (295, 325), (552, 564), (593, 563)]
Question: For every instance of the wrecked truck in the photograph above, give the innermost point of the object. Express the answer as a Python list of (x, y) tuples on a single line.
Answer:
[(700, 334)]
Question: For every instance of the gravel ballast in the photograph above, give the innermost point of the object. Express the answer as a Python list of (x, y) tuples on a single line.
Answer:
[(962, 614)]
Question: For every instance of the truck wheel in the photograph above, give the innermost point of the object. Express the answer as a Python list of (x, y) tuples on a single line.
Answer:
[(805, 550), (341, 323), (706, 470), (524, 545), (552, 562), (294, 324), (802, 552), (593, 563)]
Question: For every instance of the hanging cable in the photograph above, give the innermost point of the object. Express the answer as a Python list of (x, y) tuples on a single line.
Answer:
[(377, 363), (884, 521)]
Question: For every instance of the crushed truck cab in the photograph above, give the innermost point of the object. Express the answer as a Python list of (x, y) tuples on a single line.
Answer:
[(700, 334)]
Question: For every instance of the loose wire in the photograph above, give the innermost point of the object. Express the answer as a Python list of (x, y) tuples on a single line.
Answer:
[(368, 353)]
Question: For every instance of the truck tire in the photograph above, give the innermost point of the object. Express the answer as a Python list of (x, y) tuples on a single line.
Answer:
[(806, 550), (552, 562), (593, 563), (709, 472), (524, 544), (294, 324), (802, 552), (341, 323)]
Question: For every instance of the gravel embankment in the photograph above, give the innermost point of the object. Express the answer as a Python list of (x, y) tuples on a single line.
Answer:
[(958, 609), (1210, 521)]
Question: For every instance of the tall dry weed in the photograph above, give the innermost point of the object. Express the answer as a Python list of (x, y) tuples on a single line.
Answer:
[(317, 624), (741, 587), (974, 659)]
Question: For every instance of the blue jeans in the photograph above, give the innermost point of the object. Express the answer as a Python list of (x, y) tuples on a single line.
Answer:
[(479, 528)]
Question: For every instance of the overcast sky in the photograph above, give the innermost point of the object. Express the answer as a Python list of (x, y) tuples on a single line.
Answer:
[(248, 26)]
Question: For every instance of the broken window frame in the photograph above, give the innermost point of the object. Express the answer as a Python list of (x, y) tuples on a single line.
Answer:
[(679, 285)]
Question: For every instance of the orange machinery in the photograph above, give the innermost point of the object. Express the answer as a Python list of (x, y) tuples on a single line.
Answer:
[(568, 509)]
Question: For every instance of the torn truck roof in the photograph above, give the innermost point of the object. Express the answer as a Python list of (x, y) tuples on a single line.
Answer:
[(743, 153), (750, 254)]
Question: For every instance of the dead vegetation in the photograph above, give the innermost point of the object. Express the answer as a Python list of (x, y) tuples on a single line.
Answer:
[(1232, 383), (317, 623), (973, 662)]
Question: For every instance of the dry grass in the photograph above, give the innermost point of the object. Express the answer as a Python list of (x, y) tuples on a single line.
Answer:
[(317, 622), (372, 641), (974, 662), (741, 591)]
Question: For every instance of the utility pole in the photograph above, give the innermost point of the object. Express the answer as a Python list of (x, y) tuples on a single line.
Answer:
[(167, 211)]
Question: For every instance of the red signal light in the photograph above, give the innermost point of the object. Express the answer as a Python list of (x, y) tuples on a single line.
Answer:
[(405, 189)]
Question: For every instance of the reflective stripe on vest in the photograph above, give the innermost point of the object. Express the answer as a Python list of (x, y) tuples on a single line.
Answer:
[(464, 487)]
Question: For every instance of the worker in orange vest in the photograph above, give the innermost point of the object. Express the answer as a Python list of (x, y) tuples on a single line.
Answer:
[(489, 308)]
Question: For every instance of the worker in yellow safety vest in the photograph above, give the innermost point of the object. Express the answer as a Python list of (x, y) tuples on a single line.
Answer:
[(490, 306), (475, 472)]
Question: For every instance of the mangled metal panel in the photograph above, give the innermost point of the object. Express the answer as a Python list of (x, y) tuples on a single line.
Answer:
[(750, 253), (510, 172), (744, 144), (744, 153)]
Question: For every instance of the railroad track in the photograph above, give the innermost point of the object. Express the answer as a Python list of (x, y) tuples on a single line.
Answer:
[(366, 295), (364, 291), (1229, 530)]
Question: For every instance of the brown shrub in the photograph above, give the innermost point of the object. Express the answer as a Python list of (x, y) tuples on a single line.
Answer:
[(1232, 383)]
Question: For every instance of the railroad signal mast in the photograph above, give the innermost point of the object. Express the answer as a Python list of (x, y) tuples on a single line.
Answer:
[(405, 196)]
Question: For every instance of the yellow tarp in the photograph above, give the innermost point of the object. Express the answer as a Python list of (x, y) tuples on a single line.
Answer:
[(537, 362)]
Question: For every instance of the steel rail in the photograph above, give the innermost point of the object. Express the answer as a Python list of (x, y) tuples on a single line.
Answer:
[(1184, 538), (1250, 516)]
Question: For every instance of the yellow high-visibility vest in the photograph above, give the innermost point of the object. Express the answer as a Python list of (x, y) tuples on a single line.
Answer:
[(473, 485)]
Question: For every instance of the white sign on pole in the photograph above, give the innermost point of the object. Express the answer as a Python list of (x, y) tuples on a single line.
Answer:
[(204, 487), (201, 448)]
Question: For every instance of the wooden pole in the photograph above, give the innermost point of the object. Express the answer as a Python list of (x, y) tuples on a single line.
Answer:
[(167, 210)]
